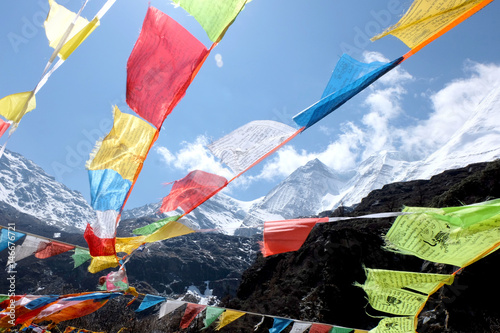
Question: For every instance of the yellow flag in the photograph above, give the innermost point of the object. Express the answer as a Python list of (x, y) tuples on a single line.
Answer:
[(169, 230), (58, 21), (395, 325), (424, 283), (102, 262), (426, 18), (129, 244), (124, 149), (227, 317), (77, 39), (385, 290), (428, 236), (15, 106)]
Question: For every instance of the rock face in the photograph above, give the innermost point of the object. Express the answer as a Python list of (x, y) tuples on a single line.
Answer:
[(25, 187), (316, 282)]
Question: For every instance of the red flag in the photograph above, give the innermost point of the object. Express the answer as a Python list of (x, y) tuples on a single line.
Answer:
[(52, 248), (288, 235), (320, 328), (3, 127), (164, 61), (192, 310), (99, 246), (192, 190)]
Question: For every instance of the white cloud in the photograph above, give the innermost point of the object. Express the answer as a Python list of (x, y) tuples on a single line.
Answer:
[(397, 75), (218, 60), (194, 156), (452, 106)]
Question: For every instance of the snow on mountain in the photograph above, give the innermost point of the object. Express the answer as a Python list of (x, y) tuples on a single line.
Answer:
[(477, 141), (27, 188), (220, 212)]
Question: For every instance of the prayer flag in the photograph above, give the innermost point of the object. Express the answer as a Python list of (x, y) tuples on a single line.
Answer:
[(288, 235), (390, 291), (211, 315), (14, 107), (125, 148), (7, 236), (71, 329), (215, 16), (192, 310), (108, 189), (192, 190), (170, 230), (426, 20), (150, 228), (51, 248), (4, 126), (336, 329), (279, 324), (27, 248), (164, 61), (80, 256), (437, 234), (228, 317), (68, 309), (300, 327), (349, 78), (129, 244), (250, 143), (169, 306), (98, 263), (395, 325), (319, 328), (149, 301)]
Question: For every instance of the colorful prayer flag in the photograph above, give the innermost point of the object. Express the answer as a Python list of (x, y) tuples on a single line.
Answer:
[(4, 126), (436, 234), (300, 327), (192, 190), (279, 324), (169, 307), (349, 78), (250, 143), (80, 256), (426, 20), (7, 236), (150, 228), (228, 317), (395, 325), (192, 310), (125, 148), (170, 230), (51, 248), (211, 314), (14, 107), (215, 16), (319, 328), (149, 301), (287, 235), (108, 189), (164, 61)]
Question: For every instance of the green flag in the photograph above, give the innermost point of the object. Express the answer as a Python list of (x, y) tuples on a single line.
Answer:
[(150, 228), (212, 313), (80, 256)]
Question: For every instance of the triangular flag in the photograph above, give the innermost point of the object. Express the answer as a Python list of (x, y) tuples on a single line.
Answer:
[(320, 328), (4, 126), (168, 307), (211, 315), (228, 317), (279, 324), (300, 327), (7, 236), (51, 248), (80, 256), (192, 310), (149, 301), (150, 228)]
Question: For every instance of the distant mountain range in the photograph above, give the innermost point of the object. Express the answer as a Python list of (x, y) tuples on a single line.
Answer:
[(309, 190)]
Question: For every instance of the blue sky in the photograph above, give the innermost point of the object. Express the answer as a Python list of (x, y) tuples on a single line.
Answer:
[(273, 62)]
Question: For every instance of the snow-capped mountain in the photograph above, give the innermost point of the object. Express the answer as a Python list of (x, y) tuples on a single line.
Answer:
[(27, 188), (309, 190)]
